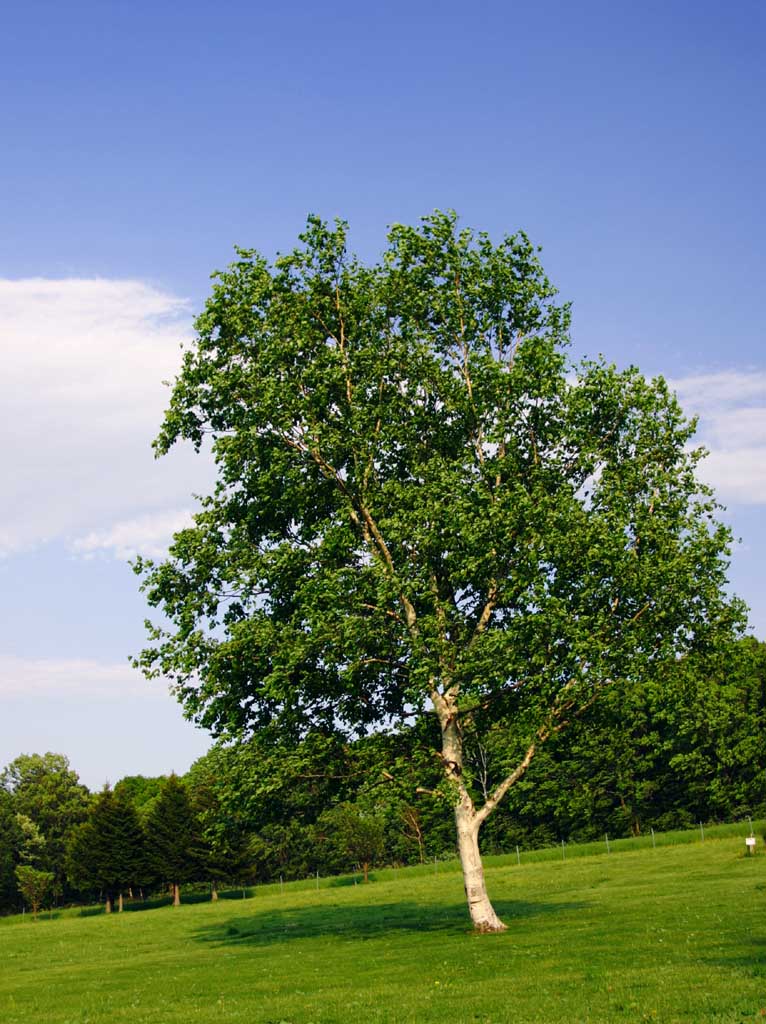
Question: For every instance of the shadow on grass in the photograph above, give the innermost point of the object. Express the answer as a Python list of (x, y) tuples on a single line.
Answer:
[(360, 923), (153, 902), (344, 881), (150, 903), (752, 962)]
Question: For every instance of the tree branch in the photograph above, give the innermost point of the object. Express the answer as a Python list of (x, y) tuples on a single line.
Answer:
[(486, 612), (385, 611), (484, 812), (362, 518)]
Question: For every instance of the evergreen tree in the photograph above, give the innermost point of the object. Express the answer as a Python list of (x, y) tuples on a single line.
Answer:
[(108, 850), (176, 850), (226, 842)]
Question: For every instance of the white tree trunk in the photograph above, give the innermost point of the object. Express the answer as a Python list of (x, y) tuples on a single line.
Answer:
[(481, 910), (468, 823)]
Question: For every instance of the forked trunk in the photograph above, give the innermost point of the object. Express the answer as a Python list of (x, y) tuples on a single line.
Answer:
[(176, 894), (481, 910)]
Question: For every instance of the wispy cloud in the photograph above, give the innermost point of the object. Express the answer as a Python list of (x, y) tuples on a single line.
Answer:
[(148, 535), (716, 389), (83, 364), (731, 406), (74, 677)]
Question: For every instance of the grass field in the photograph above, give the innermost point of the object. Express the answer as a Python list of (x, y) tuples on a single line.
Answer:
[(672, 934)]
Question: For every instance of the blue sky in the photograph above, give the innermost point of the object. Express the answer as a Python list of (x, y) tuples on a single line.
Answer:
[(142, 141)]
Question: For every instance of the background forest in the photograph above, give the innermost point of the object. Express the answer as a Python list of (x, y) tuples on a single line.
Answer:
[(680, 749)]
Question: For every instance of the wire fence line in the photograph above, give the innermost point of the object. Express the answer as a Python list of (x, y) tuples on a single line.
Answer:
[(562, 852)]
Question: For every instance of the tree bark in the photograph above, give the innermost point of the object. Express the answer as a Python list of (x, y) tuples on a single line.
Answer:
[(366, 870), (108, 905), (176, 894), (214, 892), (481, 910), (119, 903), (468, 824)]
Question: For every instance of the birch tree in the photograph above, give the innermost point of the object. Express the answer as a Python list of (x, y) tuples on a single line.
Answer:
[(423, 506)]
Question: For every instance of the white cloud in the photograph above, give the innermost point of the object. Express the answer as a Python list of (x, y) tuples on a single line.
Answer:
[(702, 391), (147, 535), (82, 365), (731, 407), (74, 677), (738, 476)]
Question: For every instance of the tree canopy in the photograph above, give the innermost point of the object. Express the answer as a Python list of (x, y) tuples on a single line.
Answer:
[(49, 796), (423, 506)]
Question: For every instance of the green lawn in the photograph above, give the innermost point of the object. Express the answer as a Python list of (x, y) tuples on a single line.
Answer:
[(672, 934)]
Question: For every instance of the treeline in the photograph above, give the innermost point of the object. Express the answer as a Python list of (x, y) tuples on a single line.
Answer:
[(687, 747)]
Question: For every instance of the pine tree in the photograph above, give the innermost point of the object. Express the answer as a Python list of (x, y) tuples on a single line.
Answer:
[(108, 850), (176, 850)]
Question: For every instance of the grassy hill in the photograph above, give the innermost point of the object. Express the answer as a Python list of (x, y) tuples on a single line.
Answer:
[(672, 934)]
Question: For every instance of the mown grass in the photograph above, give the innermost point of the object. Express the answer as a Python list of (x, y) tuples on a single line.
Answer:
[(672, 934)]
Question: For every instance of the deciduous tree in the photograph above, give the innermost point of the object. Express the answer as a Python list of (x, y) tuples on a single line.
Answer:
[(35, 886), (47, 792), (9, 849), (423, 506), (357, 833)]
